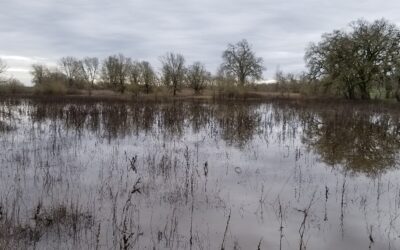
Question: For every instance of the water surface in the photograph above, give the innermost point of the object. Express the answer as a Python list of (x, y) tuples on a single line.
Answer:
[(195, 175)]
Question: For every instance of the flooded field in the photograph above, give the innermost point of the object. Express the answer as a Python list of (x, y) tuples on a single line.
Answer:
[(195, 175)]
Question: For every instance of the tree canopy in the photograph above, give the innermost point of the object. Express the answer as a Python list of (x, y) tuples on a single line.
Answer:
[(356, 60), (240, 61), (173, 70)]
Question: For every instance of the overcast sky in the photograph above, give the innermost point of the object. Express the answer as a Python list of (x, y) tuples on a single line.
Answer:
[(42, 31)]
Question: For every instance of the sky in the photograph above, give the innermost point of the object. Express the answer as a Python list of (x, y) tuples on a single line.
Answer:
[(43, 31)]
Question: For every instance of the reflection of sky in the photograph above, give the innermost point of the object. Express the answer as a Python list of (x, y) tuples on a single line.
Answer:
[(81, 163)]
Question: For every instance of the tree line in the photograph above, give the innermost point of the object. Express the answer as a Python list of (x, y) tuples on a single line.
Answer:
[(122, 73), (359, 62)]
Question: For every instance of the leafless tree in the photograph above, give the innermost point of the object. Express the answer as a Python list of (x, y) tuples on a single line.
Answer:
[(72, 68), (241, 61), (173, 71), (148, 76), (90, 70), (135, 72), (108, 71), (39, 73), (3, 66), (197, 76), (115, 71)]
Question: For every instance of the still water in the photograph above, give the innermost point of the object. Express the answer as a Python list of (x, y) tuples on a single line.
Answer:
[(198, 175)]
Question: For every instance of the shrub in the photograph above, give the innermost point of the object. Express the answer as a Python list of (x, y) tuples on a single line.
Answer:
[(133, 89), (12, 86), (51, 88)]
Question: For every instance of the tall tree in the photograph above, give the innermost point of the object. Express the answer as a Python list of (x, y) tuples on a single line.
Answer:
[(115, 71), (90, 67), (332, 59), (198, 77), (241, 61), (173, 70), (3, 66), (355, 60), (148, 76), (72, 68), (135, 73), (39, 73)]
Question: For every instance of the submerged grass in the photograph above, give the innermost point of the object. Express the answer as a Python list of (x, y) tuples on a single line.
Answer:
[(187, 175)]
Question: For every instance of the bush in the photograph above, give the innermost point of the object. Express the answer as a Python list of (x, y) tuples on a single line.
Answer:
[(51, 88), (12, 86), (133, 89), (228, 90)]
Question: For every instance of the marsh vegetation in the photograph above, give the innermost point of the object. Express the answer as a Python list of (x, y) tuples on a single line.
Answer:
[(198, 175)]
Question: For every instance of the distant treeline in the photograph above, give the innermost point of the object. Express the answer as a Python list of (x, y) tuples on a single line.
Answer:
[(122, 74), (360, 62)]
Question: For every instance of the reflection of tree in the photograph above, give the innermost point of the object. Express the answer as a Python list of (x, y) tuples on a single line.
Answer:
[(142, 117), (288, 119), (172, 119), (75, 116), (93, 121), (200, 115), (238, 122), (40, 111), (115, 120), (360, 142), (8, 109)]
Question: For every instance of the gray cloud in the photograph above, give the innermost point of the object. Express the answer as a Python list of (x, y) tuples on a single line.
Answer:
[(45, 30)]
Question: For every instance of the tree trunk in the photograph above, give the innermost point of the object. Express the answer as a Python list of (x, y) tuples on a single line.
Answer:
[(91, 86), (365, 95), (122, 87), (350, 92), (175, 86), (242, 80), (364, 91), (388, 90), (147, 88)]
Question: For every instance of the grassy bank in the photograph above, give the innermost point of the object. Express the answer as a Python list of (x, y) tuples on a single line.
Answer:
[(161, 93)]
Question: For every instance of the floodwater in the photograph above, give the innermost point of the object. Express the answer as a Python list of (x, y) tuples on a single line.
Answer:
[(198, 175)]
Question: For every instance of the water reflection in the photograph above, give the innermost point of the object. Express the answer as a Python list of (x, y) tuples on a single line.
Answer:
[(170, 173), (238, 123), (359, 141)]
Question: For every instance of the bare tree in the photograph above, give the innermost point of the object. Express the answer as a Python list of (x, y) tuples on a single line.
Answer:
[(39, 73), (122, 71), (148, 76), (90, 70), (115, 71), (135, 72), (241, 61), (173, 71), (198, 77), (108, 71), (72, 68), (48, 80), (3, 66)]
